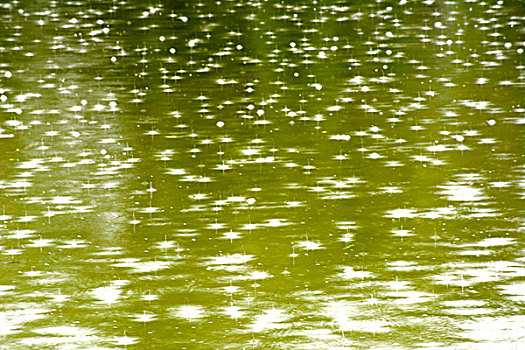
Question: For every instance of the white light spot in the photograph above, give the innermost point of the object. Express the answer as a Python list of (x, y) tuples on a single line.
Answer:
[(193, 42), (190, 312)]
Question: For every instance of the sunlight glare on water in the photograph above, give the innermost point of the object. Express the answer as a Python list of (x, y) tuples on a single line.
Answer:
[(266, 175)]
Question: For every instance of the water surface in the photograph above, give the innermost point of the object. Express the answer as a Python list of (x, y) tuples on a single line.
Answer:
[(266, 175)]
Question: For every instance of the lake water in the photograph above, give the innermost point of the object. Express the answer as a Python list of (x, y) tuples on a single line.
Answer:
[(262, 174)]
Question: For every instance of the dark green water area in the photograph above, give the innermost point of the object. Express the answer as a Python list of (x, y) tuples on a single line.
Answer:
[(262, 174)]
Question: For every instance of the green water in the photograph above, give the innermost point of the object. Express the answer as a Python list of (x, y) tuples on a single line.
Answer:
[(266, 175)]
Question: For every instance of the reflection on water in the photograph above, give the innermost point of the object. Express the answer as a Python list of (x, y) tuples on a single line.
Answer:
[(295, 175)]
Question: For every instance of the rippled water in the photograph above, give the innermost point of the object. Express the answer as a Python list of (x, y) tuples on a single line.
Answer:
[(267, 175)]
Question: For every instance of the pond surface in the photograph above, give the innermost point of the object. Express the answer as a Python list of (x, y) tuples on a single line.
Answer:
[(262, 175)]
